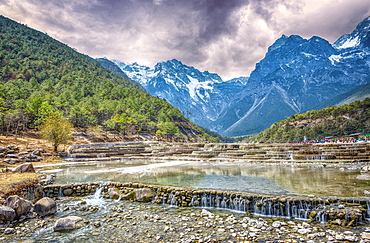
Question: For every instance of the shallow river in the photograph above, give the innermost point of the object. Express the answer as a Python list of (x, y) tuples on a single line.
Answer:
[(300, 179)]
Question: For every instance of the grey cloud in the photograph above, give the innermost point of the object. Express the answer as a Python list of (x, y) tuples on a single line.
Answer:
[(223, 36)]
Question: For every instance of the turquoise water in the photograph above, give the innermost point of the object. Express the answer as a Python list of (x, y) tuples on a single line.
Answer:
[(301, 179)]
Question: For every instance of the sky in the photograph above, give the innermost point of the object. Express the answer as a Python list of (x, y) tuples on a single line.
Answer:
[(227, 37)]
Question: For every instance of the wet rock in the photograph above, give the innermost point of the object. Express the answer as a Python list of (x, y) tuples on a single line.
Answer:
[(113, 193), (7, 213), (26, 167), (67, 223), (206, 213), (276, 224), (45, 206), (67, 192), (21, 206), (144, 194)]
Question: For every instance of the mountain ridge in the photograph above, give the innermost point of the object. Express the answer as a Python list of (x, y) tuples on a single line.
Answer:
[(295, 75), (41, 76)]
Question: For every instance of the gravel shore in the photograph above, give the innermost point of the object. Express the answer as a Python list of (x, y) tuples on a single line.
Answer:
[(123, 221)]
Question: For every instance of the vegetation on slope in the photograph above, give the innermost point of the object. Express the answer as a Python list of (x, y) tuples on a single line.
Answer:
[(40, 76), (315, 125)]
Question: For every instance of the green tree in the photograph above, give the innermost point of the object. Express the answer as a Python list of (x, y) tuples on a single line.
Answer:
[(167, 129), (57, 130)]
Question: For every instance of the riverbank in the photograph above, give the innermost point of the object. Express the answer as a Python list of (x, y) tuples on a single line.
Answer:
[(124, 221), (110, 220)]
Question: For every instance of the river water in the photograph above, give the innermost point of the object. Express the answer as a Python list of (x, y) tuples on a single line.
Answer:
[(107, 220), (296, 179)]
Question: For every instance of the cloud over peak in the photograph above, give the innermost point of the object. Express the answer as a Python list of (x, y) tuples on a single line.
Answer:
[(226, 37)]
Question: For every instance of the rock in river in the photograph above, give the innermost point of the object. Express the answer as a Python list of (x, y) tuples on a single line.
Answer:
[(45, 206), (67, 223)]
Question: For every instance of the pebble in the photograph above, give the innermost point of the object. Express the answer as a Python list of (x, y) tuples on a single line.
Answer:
[(154, 223)]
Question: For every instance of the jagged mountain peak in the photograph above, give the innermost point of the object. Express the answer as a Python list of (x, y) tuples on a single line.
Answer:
[(360, 37), (282, 41), (295, 75), (296, 44)]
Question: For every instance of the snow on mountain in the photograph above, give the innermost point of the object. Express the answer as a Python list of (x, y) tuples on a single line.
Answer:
[(136, 72), (295, 75), (202, 96)]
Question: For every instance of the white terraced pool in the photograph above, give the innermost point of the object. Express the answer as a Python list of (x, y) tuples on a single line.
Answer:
[(300, 179)]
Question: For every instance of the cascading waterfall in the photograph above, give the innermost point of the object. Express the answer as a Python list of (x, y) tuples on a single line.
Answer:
[(298, 209), (96, 198), (172, 199), (348, 210)]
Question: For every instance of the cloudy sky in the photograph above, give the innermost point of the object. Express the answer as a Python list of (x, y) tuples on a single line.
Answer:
[(227, 37)]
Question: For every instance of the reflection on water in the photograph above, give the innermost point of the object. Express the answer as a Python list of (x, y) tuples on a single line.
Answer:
[(256, 178)]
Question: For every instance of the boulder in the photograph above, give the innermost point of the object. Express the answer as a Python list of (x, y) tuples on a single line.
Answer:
[(144, 195), (45, 206), (21, 206), (26, 167), (67, 223), (113, 193), (6, 213)]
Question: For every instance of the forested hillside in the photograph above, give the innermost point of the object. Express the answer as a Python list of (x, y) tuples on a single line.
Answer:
[(315, 125), (40, 76)]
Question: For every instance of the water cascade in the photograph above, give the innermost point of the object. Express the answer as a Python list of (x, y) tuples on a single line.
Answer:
[(96, 198), (348, 211)]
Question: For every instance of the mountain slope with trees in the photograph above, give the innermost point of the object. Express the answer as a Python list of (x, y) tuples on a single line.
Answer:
[(40, 77), (315, 125)]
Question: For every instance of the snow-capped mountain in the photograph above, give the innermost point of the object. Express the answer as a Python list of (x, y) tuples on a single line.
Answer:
[(295, 75), (201, 96)]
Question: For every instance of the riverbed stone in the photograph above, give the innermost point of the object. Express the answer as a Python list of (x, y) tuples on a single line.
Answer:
[(67, 223), (113, 193), (67, 192), (7, 213), (144, 194), (45, 206), (21, 206)]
